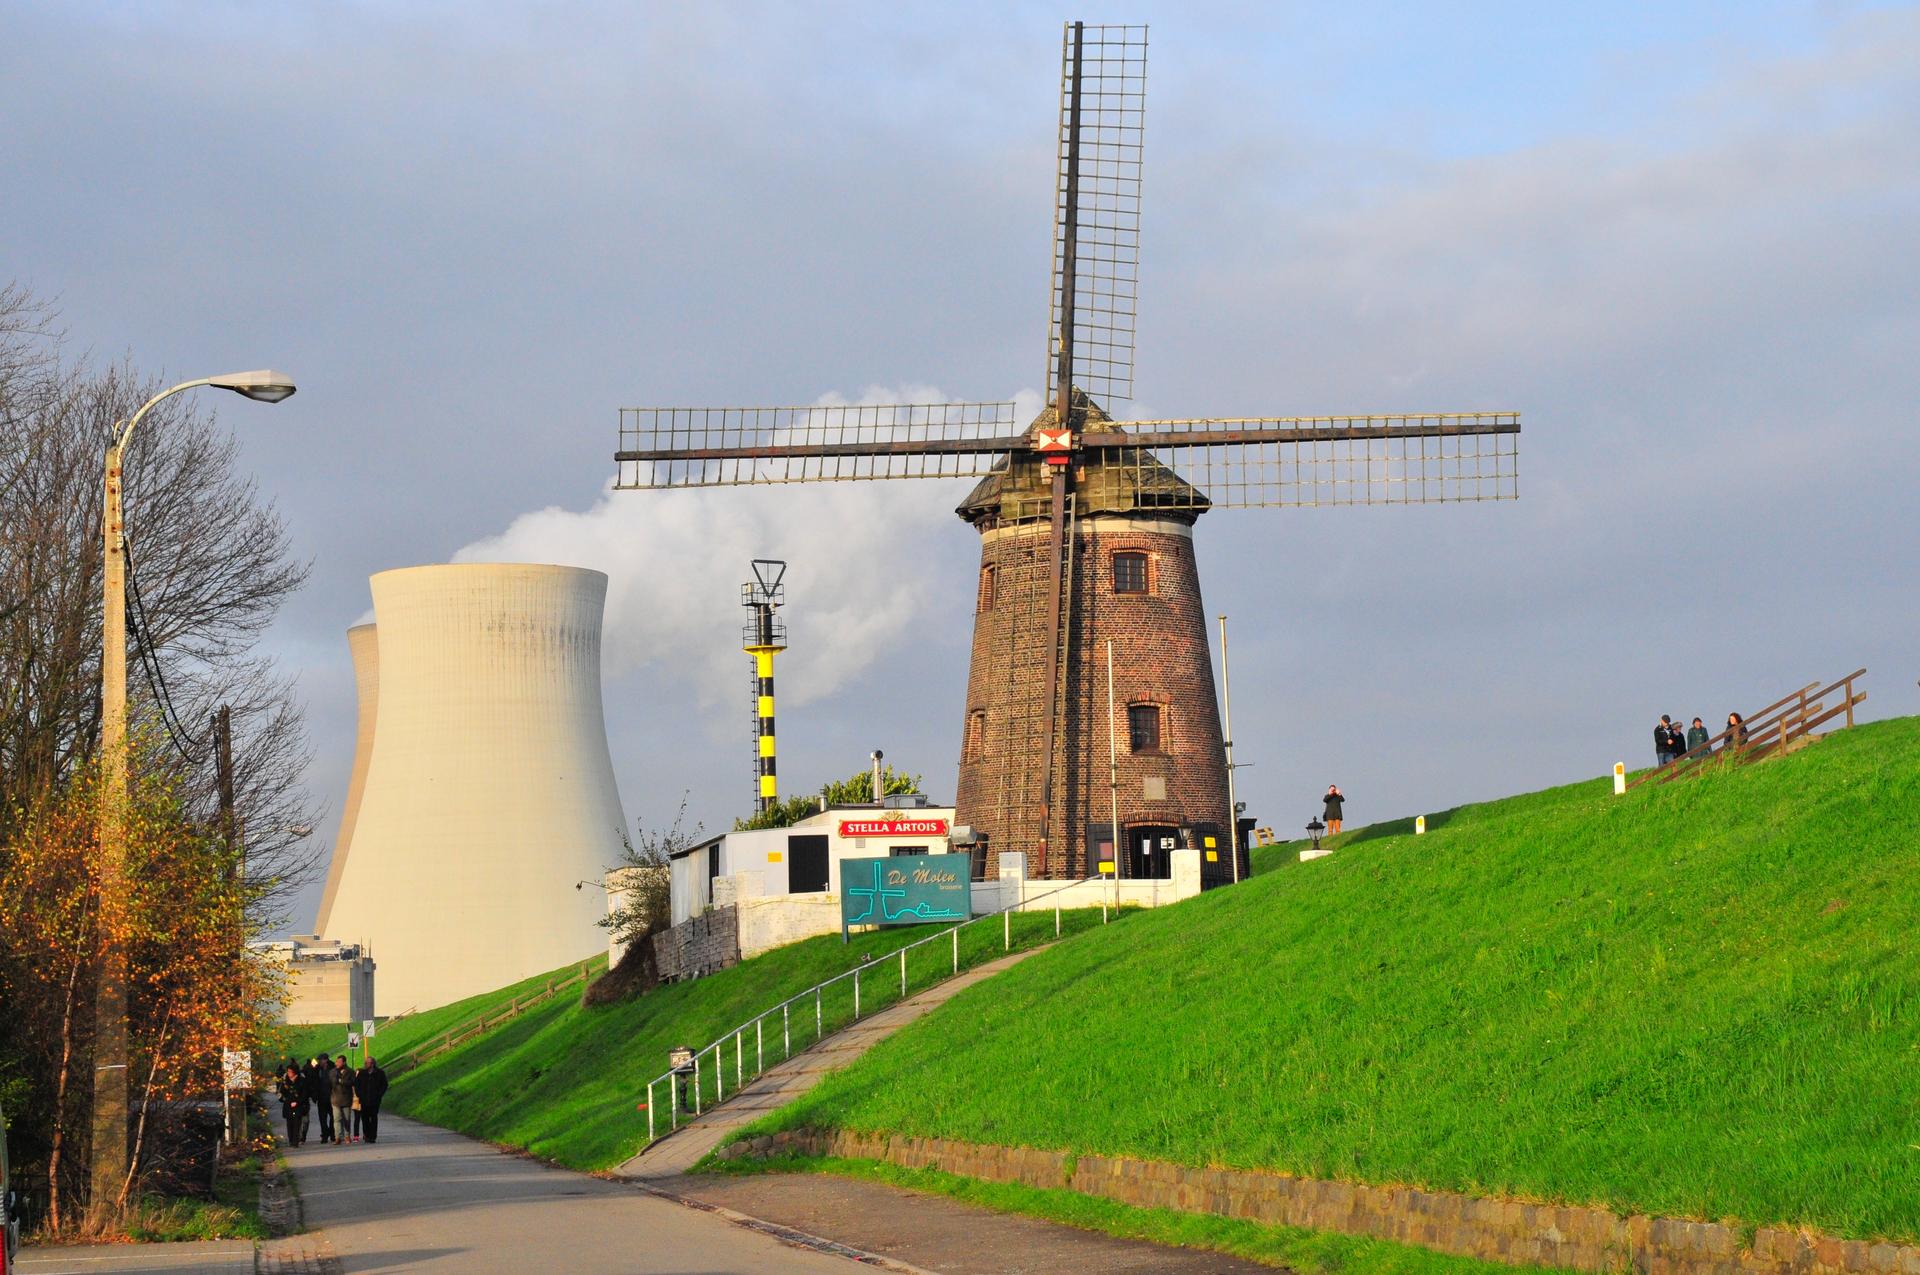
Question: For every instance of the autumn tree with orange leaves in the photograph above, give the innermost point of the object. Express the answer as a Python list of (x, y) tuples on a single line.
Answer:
[(194, 988)]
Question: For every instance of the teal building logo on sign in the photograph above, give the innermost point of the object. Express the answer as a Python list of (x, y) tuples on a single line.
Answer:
[(908, 890)]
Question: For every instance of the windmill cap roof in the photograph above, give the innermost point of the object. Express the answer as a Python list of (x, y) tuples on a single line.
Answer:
[(1019, 489)]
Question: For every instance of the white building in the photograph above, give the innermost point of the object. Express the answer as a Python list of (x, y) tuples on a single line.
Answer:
[(485, 790), (805, 859)]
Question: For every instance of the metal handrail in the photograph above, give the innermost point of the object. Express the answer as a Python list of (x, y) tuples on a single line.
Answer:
[(784, 1009)]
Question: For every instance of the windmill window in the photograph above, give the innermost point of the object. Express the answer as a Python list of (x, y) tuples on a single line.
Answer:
[(976, 734), (986, 588), (1129, 573), (1143, 728)]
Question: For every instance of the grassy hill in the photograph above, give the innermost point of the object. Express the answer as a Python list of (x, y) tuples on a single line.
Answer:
[(1700, 999), (563, 1080), (395, 1037)]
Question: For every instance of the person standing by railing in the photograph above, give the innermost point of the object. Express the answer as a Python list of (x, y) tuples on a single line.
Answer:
[(1663, 740), (1736, 731), (1697, 736)]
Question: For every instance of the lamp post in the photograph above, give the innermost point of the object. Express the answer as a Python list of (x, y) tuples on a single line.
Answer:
[(109, 1151)]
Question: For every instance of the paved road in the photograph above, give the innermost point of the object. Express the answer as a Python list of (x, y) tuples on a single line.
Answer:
[(424, 1199), (940, 1234), (212, 1257), (785, 1081)]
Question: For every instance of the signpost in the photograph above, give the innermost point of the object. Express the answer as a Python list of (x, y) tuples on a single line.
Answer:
[(909, 889)]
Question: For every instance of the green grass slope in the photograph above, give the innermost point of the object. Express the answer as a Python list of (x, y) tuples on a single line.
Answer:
[(564, 1080), (396, 1037), (1700, 999)]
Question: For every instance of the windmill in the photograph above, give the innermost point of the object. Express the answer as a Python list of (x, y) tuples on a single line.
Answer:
[(1086, 522)]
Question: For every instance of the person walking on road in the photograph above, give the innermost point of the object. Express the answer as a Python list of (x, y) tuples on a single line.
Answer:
[(370, 1086), (340, 1094), (318, 1094), (293, 1102), (1334, 804)]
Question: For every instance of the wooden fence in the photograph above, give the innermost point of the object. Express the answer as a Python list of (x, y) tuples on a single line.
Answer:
[(1771, 732), (456, 1036)]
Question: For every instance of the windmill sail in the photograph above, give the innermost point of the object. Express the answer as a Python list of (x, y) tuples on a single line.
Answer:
[(1096, 205), (740, 446), (1406, 459)]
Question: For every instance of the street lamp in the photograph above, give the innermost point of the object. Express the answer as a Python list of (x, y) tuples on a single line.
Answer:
[(109, 1151)]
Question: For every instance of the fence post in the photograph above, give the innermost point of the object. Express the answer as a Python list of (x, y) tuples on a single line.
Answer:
[(696, 1084), (903, 973), (1006, 930), (1056, 918), (956, 948), (1849, 693), (650, 1085), (786, 1031), (759, 1047), (856, 992), (739, 1063), (816, 1014), (719, 1076)]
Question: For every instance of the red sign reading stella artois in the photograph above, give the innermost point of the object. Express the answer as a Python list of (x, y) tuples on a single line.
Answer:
[(894, 826)]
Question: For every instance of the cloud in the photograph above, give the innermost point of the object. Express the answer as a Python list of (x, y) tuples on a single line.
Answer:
[(675, 561)]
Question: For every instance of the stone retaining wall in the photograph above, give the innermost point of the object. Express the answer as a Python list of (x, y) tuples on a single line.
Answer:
[(1498, 1230), (698, 945)]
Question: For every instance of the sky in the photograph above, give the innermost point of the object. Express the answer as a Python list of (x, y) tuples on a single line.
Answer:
[(1678, 238)]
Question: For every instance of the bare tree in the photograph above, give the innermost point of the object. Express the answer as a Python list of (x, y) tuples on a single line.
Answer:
[(211, 567)]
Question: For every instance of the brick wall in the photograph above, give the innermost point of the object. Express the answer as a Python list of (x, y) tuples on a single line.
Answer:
[(1161, 656), (1510, 1231)]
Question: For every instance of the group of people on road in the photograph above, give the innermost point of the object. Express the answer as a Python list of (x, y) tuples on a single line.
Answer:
[(345, 1102), (1672, 741)]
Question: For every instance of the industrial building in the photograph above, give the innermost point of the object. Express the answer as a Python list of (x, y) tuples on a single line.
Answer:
[(327, 982), (483, 791)]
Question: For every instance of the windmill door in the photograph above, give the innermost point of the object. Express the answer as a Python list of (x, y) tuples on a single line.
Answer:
[(806, 864), (1150, 851)]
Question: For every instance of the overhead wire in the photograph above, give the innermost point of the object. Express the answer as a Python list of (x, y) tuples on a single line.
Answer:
[(193, 750)]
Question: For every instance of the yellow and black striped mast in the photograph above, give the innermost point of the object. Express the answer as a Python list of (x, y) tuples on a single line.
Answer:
[(765, 637)]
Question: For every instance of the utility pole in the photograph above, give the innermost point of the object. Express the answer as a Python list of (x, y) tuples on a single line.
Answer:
[(222, 734), (1233, 803), (108, 1166)]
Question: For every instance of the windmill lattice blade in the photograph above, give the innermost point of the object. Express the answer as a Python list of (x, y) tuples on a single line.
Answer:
[(734, 446), (1413, 459), (1113, 83)]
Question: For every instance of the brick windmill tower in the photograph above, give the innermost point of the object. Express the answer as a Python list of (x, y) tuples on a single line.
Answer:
[(1086, 522)]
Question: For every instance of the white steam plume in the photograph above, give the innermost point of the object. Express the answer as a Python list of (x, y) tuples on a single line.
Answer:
[(675, 561)]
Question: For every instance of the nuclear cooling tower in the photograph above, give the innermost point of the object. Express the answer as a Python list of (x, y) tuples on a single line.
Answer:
[(363, 644), (488, 791)]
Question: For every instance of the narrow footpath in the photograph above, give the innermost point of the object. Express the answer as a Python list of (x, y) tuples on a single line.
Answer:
[(780, 1084)]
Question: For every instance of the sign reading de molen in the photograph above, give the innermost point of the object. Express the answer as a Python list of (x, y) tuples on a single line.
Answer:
[(907, 890)]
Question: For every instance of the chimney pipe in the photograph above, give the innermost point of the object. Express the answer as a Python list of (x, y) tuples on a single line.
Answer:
[(879, 790)]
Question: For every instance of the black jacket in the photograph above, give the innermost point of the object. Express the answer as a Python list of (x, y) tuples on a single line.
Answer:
[(1334, 800), (371, 1085)]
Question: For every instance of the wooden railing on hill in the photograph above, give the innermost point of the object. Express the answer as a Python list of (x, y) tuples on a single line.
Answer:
[(1772, 731), (458, 1035)]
